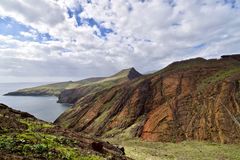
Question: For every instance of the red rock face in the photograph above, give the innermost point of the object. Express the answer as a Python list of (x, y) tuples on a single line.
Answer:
[(189, 100), (187, 115)]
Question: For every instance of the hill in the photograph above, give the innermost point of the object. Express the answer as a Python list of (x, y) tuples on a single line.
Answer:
[(195, 99), (70, 92), (22, 136), (72, 95), (51, 89)]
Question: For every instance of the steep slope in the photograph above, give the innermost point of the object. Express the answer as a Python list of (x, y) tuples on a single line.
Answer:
[(72, 95), (195, 99), (22, 136), (52, 89)]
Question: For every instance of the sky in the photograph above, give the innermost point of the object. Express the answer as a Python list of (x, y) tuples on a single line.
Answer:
[(58, 40)]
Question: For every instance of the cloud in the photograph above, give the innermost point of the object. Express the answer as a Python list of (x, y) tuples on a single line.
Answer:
[(81, 38), (33, 13)]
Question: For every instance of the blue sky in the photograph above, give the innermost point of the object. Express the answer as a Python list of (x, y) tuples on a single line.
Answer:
[(60, 40), (10, 27)]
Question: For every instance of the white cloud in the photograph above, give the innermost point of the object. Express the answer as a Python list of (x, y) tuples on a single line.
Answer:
[(147, 35), (40, 14)]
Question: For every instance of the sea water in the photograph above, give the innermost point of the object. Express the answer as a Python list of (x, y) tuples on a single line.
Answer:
[(42, 107)]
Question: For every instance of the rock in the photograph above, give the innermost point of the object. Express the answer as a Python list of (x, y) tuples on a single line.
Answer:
[(236, 57), (121, 148), (97, 146)]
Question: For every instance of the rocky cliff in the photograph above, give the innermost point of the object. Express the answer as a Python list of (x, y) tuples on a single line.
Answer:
[(195, 99), (23, 137)]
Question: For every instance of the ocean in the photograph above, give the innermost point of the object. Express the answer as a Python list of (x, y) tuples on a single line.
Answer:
[(43, 107)]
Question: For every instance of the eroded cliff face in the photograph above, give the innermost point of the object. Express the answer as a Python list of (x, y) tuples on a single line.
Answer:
[(195, 116), (190, 100)]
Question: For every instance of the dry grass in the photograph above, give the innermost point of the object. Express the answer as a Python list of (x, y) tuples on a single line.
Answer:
[(187, 150)]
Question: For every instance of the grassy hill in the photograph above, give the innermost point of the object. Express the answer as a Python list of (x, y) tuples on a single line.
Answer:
[(74, 94), (70, 92), (52, 89)]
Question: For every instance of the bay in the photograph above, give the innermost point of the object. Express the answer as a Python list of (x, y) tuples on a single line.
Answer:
[(42, 107)]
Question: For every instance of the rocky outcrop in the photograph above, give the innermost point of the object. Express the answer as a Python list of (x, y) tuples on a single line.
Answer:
[(195, 99), (236, 57), (133, 74), (22, 136)]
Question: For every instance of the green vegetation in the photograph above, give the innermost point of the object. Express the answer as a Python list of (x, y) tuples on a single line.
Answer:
[(187, 150), (36, 144), (47, 146), (182, 65), (51, 89), (107, 82), (34, 125), (90, 85), (22, 136), (54, 88), (219, 76)]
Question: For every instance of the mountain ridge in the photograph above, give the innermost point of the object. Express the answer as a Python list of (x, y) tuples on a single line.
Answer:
[(183, 101)]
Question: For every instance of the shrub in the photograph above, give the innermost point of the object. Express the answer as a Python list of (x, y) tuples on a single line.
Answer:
[(40, 148)]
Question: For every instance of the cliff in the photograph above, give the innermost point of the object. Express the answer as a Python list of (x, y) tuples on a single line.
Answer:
[(195, 99)]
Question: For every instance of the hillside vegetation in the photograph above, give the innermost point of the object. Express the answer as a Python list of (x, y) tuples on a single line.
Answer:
[(52, 89), (22, 136)]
